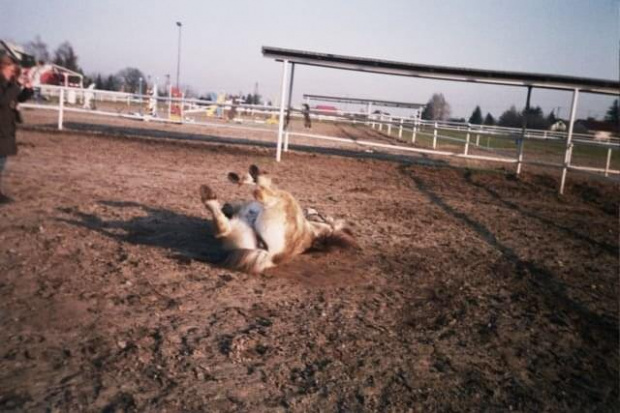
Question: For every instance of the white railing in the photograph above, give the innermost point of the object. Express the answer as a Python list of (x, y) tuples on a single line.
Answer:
[(263, 119)]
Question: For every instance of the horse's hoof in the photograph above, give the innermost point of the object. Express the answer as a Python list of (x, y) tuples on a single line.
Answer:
[(206, 193)]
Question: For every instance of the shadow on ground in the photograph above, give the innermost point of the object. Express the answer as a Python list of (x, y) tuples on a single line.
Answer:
[(190, 238), (611, 249), (593, 327), (187, 237)]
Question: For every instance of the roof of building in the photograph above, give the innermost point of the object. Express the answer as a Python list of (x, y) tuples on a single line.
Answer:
[(361, 101), (17, 53)]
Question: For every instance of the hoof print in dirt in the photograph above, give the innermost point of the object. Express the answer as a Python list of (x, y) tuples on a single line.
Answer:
[(122, 402), (225, 344)]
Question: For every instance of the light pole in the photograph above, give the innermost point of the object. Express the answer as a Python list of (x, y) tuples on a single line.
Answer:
[(179, 54)]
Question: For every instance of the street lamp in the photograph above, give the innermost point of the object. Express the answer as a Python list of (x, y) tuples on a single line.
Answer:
[(179, 54)]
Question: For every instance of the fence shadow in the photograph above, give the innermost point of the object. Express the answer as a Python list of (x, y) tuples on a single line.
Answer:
[(543, 282), (611, 249), (187, 237)]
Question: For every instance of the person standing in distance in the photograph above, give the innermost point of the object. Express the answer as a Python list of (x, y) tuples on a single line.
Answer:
[(306, 112), (11, 93)]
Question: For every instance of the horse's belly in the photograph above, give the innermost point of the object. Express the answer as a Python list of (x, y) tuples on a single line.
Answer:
[(241, 236), (272, 231)]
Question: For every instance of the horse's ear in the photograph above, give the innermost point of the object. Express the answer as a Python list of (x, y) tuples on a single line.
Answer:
[(254, 172), (234, 178)]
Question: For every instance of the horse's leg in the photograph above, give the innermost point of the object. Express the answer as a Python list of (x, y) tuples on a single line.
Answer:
[(209, 199)]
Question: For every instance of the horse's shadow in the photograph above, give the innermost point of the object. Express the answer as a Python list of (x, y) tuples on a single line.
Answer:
[(187, 237)]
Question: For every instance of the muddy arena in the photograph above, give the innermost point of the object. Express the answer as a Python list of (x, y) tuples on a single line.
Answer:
[(471, 291)]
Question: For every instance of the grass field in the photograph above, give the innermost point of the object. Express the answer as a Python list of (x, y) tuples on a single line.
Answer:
[(583, 154)]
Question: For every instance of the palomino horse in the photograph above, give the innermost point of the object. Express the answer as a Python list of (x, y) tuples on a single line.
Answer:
[(272, 229)]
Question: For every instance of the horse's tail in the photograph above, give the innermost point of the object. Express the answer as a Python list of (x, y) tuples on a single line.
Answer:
[(340, 237)]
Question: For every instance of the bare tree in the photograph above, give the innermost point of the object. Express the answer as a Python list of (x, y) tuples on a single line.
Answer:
[(190, 93), (65, 56), (130, 77), (437, 108), (111, 83), (38, 49)]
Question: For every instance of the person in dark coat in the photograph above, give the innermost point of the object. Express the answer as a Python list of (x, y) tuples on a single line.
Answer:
[(11, 93)]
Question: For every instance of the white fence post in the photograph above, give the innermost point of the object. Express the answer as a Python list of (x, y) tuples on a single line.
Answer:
[(282, 103), (182, 107), (381, 123), (569, 140), (478, 139), (169, 101), (400, 129), (467, 140), (520, 154), (608, 163), (61, 108), (435, 136), (288, 106), (389, 128), (414, 131), (524, 133)]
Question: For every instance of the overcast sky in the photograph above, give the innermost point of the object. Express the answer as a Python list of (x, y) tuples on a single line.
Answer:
[(222, 40)]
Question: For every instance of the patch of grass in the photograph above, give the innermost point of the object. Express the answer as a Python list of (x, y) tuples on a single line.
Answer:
[(586, 155)]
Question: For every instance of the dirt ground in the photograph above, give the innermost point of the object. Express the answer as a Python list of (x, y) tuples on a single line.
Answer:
[(472, 291)]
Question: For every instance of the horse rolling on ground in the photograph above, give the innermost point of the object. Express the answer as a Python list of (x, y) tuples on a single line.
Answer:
[(270, 230)]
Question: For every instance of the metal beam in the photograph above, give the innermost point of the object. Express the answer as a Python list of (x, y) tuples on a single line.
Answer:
[(541, 80), (281, 119), (288, 106), (522, 139)]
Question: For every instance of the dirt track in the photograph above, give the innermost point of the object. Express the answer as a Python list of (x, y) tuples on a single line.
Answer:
[(472, 292)]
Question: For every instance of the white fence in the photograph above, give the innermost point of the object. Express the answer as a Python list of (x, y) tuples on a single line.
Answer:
[(262, 118), (475, 134)]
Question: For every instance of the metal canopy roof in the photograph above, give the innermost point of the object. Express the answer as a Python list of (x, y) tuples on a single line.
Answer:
[(546, 81), (359, 101)]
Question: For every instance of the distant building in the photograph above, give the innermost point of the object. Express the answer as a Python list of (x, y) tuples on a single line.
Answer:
[(50, 74), (595, 126), (17, 52), (326, 108), (558, 126)]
